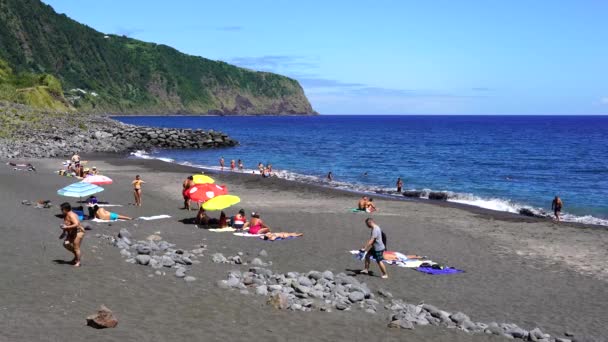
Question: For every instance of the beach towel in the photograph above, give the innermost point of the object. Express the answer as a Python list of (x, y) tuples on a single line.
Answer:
[(108, 205), (396, 258), (434, 271), (279, 238), (104, 221), (222, 230), (356, 210), (150, 218), (247, 234)]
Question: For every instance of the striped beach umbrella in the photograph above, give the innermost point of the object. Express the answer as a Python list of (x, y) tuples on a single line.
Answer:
[(80, 189)]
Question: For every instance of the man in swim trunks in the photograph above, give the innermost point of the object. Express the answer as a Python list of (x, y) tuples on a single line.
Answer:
[(362, 205), (188, 183), (222, 163), (556, 206), (103, 214), (399, 184), (74, 231), (374, 247)]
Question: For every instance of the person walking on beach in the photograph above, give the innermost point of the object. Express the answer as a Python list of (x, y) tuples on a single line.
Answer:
[(222, 163), (232, 165), (240, 165), (399, 184), (375, 248), (330, 176), (556, 206), (73, 231), (137, 190), (188, 183)]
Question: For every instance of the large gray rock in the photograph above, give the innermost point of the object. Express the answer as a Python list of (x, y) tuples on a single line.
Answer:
[(459, 317), (219, 258), (401, 324), (356, 296), (261, 290), (166, 261), (142, 259)]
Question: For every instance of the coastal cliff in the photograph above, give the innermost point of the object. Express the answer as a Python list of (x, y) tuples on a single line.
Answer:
[(105, 73)]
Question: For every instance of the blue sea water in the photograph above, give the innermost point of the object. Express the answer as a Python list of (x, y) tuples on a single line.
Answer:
[(497, 162)]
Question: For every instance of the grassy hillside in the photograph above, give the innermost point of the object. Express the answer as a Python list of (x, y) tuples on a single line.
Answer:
[(130, 76)]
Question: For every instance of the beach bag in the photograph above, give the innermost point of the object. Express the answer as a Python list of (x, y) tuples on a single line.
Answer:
[(384, 240)]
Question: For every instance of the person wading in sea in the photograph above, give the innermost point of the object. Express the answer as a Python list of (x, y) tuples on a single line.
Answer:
[(556, 206), (399, 184)]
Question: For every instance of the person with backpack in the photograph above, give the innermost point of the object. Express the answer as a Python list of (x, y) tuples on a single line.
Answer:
[(375, 247)]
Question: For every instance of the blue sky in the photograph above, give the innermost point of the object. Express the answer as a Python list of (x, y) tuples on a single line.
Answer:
[(391, 57)]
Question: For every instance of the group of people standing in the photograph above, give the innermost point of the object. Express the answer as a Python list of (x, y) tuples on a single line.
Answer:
[(264, 170)]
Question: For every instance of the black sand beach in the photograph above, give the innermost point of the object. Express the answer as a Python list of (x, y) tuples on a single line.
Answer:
[(533, 273)]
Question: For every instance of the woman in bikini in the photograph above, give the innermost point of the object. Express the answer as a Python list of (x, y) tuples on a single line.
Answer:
[(137, 190), (75, 232), (282, 235), (256, 225)]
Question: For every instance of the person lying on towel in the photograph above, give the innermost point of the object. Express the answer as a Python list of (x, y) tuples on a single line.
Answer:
[(281, 235), (103, 214)]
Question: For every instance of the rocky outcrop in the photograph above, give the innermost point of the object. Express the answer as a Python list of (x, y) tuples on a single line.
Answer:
[(56, 135)]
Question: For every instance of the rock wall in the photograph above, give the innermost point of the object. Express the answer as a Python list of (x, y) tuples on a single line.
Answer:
[(62, 135)]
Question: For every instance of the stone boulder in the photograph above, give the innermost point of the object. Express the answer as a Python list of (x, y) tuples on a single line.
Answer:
[(104, 318)]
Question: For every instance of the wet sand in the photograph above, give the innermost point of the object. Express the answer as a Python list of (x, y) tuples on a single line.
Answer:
[(518, 270)]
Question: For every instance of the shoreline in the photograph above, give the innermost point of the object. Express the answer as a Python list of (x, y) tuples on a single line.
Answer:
[(514, 270), (490, 213)]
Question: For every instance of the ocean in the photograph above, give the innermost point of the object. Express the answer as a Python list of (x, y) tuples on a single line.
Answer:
[(501, 163)]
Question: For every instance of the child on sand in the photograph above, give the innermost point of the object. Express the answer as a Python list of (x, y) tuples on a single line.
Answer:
[(137, 190)]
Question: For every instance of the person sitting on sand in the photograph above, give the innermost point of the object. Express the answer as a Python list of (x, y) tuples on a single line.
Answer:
[(374, 247), (188, 183), (280, 235), (73, 231), (362, 205), (93, 171), (102, 214), (239, 220), (370, 207), (137, 190), (256, 225), (201, 218), (556, 206)]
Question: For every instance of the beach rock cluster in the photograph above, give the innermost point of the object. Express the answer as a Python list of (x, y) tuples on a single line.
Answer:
[(326, 291), (62, 135), (157, 254)]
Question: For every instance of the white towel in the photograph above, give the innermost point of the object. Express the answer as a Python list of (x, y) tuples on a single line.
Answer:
[(149, 218), (248, 235)]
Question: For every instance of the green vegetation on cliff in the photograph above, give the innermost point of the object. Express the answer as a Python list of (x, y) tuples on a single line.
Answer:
[(111, 73)]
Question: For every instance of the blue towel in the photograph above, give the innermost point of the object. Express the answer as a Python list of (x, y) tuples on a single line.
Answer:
[(434, 271)]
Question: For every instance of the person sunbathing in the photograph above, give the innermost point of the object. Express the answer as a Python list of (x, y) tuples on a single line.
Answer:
[(280, 235), (362, 205), (239, 220), (256, 225), (102, 214), (370, 207)]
